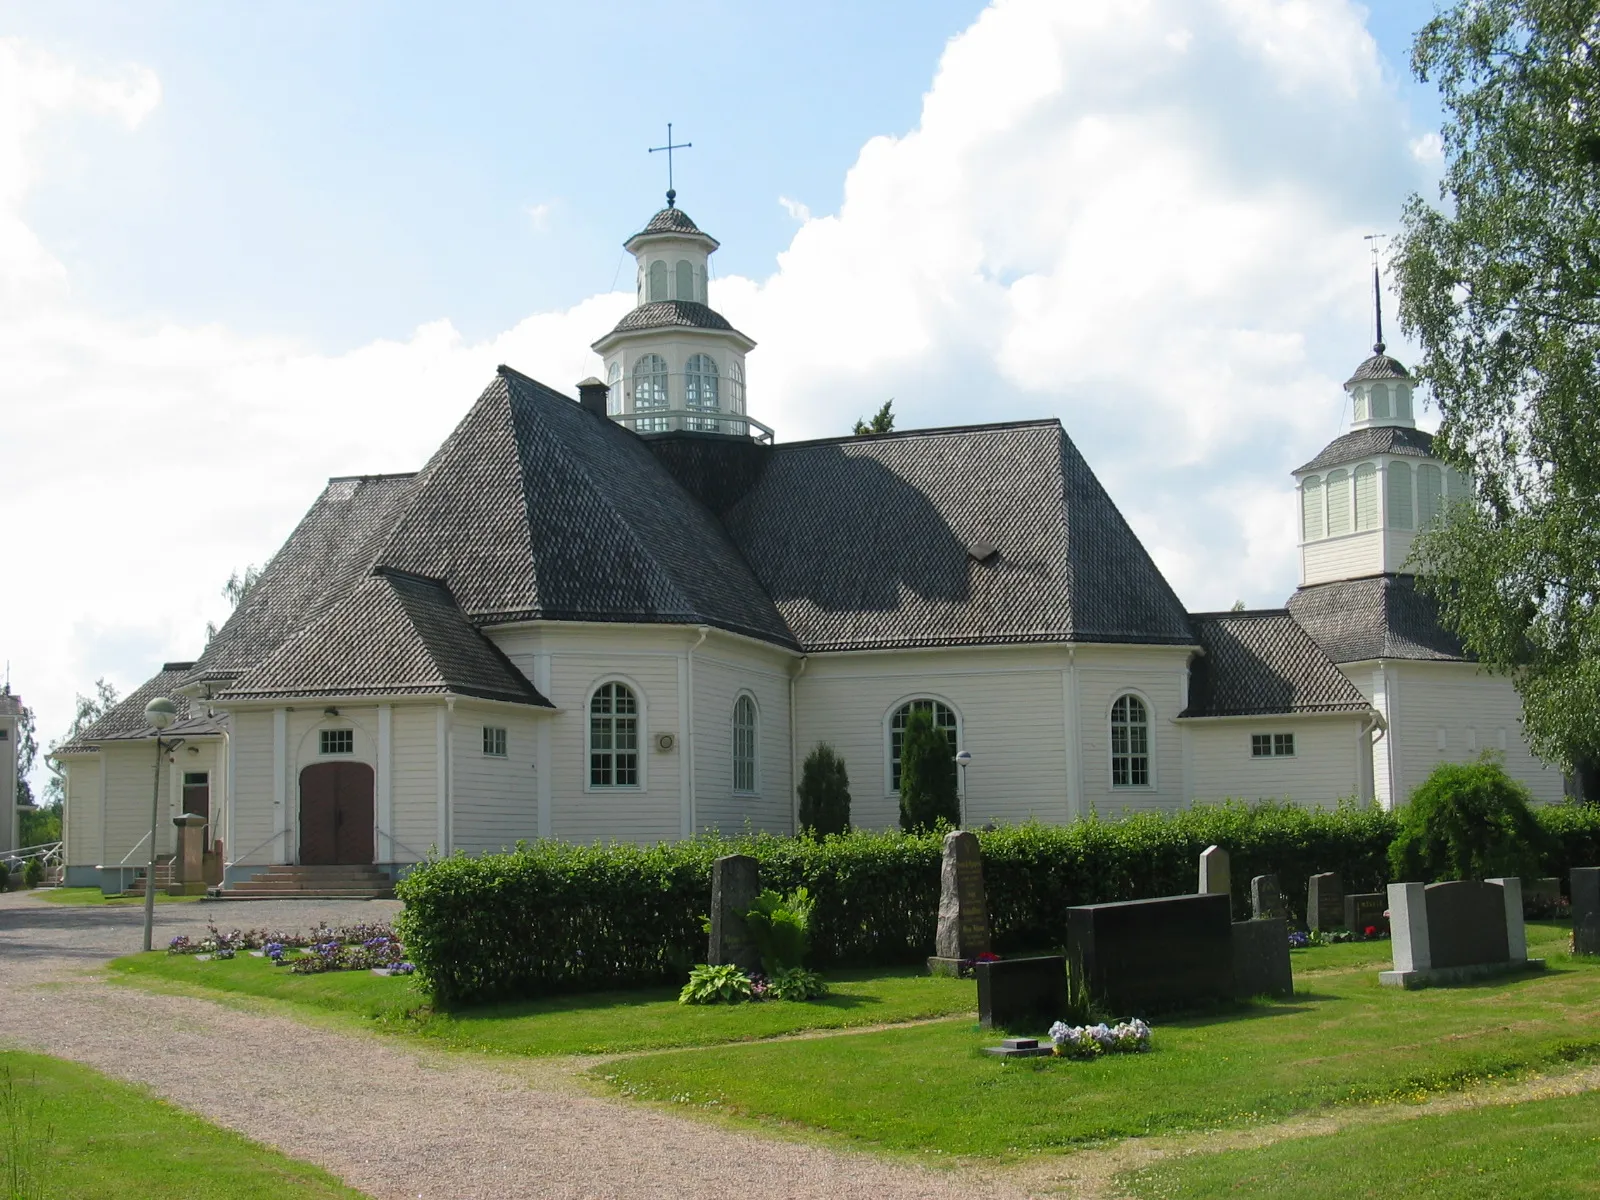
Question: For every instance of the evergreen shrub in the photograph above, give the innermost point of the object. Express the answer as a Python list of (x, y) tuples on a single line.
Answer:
[(1467, 821), (928, 792), (824, 793), (552, 917)]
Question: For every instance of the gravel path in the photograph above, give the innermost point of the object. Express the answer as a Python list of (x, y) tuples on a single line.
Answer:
[(389, 1118)]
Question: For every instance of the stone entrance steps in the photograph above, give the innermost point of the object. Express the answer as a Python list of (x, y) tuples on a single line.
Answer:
[(310, 883), (163, 877)]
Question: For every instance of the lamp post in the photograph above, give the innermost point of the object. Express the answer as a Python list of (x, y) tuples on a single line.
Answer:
[(963, 757), (161, 713)]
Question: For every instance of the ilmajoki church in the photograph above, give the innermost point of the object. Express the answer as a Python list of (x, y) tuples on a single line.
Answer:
[(631, 615)]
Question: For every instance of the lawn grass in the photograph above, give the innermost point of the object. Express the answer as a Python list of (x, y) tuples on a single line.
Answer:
[(603, 1023), (88, 1137), (1540, 1148), (93, 895), (1341, 1039)]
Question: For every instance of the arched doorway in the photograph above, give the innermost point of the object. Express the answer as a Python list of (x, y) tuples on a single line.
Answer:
[(336, 814)]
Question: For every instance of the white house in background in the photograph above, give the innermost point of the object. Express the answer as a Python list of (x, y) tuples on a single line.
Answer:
[(631, 617)]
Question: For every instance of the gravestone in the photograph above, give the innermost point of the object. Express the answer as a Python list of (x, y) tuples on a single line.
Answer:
[(1586, 935), (1261, 958), (1585, 884), (188, 871), (1021, 992), (963, 931), (735, 884), (1325, 902), (1144, 956), (1021, 1047), (1215, 878), (1456, 932), (1266, 898), (1540, 897), (1366, 910)]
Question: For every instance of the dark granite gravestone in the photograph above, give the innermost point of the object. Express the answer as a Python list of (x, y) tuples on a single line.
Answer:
[(1261, 958), (963, 931), (1145, 956), (1017, 992), (1585, 884), (1541, 896), (1456, 932), (1266, 898), (1325, 902), (735, 884), (1586, 935), (1021, 1048), (1466, 924), (1366, 910)]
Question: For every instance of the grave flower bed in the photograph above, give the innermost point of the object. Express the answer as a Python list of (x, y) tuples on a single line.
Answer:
[(1091, 1041), (361, 947)]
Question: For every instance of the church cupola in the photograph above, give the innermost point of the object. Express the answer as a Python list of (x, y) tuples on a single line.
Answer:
[(1381, 388), (674, 363)]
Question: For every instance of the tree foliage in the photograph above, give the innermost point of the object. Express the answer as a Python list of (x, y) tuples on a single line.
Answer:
[(882, 421), (824, 793), (235, 590), (928, 792), (86, 711), (1501, 288), (1467, 821)]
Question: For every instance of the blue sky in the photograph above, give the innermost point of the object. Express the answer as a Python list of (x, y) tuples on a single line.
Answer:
[(243, 248)]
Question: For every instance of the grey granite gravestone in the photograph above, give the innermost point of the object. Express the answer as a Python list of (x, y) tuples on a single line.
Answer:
[(1266, 898), (1541, 896), (1585, 885), (1016, 992), (963, 931), (1261, 958), (1586, 935), (735, 884), (1215, 878), (1366, 910), (1020, 1047), (1456, 932), (1144, 956), (1325, 901)]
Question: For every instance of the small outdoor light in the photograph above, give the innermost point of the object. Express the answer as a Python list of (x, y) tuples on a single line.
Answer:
[(963, 757), (160, 713)]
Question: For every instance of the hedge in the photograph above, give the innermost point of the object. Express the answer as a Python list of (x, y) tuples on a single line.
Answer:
[(552, 916)]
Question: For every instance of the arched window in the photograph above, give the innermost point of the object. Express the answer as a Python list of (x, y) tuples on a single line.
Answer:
[(614, 388), (1400, 495), (700, 390), (1311, 508), (1363, 404), (1130, 742), (736, 386), (944, 717), (658, 281), (650, 390), (1402, 401), (614, 737), (744, 744), (1458, 486), (1430, 494), (1338, 503), (1380, 401), (1366, 496), (685, 280)]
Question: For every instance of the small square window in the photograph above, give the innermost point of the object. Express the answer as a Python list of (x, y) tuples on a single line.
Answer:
[(1260, 745), (1283, 745), (338, 741), (494, 741), (196, 779), (1271, 745)]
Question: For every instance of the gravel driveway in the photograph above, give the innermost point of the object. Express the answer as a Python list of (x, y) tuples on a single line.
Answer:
[(389, 1118)]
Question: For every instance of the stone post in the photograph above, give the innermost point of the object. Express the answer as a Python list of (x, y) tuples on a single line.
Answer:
[(963, 931), (1408, 927), (1266, 898), (188, 865), (1516, 931), (735, 884), (1215, 879)]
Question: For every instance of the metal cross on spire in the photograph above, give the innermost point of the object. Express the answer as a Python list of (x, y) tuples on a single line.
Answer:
[(1373, 241), (672, 195)]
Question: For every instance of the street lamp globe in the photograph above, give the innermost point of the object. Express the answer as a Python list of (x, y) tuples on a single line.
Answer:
[(160, 712)]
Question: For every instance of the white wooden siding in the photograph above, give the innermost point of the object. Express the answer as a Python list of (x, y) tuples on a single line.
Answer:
[(1325, 767), (496, 802), (723, 669), (256, 813), (1104, 673), (81, 820), (126, 819), (414, 784), (1342, 557)]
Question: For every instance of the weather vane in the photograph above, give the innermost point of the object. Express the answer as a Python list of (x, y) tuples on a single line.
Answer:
[(672, 195), (1374, 243)]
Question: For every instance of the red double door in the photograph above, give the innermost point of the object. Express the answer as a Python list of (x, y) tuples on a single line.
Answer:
[(336, 814)]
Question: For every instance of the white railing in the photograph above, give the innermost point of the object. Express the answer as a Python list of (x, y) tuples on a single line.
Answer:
[(49, 852), (693, 420)]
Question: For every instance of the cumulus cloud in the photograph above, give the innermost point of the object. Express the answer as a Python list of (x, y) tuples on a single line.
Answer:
[(539, 216), (796, 210), (1141, 216)]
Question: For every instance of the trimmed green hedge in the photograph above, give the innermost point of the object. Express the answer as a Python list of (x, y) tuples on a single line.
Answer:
[(552, 916)]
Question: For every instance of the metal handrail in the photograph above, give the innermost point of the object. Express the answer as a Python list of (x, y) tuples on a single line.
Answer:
[(50, 852), (394, 841), (238, 858), (123, 861), (695, 420)]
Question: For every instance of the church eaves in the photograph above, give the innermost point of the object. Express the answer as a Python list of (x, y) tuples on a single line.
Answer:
[(1374, 617), (1263, 663), (1375, 439)]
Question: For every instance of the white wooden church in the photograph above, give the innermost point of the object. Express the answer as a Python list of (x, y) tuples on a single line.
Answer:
[(632, 614)]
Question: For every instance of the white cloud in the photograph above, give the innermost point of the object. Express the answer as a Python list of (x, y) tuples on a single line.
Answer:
[(539, 216), (796, 210), (1428, 150), (1143, 216)]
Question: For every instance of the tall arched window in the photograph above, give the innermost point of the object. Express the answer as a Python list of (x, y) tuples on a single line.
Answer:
[(736, 386), (700, 390), (944, 718), (658, 281), (1402, 401), (1311, 508), (1380, 402), (1338, 503), (1130, 742), (614, 737), (744, 744), (614, 388), (650, 391), (1363, 404), (1366, 496), (685, 280), (1399, 495), (1430, 494)]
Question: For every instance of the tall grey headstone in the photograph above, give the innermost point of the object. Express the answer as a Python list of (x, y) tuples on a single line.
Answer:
[(963, 931), (1456, 932), (1585, 883), (1266, 898), (735, 884), (1325, 901), (1215, 879)]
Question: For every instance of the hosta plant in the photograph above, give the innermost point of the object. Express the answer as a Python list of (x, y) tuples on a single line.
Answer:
[(796, 983), (725, 984)]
